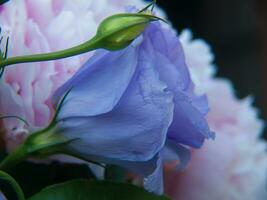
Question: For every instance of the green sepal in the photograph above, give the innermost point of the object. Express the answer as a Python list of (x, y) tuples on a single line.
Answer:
[(40, 144)]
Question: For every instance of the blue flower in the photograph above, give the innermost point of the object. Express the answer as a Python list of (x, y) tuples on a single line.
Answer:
[(136, 107)]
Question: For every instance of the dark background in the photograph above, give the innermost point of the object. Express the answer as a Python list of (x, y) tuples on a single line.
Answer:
[(237, 33)]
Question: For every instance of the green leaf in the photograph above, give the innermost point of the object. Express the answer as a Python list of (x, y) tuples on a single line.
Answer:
[(94, 190), (9, 179)]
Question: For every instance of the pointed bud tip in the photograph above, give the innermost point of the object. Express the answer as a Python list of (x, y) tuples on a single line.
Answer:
[(118, 31)]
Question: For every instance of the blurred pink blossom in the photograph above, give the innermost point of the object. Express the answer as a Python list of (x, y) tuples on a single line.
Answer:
[(36, 26), (234, 166)]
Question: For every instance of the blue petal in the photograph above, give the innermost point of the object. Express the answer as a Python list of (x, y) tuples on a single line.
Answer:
[(151, 170), (154, 182), (135, 129), (201, 103), (189, 126), (99, 85), (168, 57), (176, 152)]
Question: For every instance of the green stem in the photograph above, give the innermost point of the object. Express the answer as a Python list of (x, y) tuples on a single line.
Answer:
[(82, 48), (13, 183)]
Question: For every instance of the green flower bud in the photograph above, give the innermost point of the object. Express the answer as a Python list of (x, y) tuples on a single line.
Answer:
[(114, 33), (118, 31)]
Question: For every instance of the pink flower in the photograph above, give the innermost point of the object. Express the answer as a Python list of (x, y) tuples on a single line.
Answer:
[(234, 166), (43, 26)]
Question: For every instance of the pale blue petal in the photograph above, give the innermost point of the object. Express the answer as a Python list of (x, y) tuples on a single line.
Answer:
[(189, 126), (154, 182), (174, 73), (99, 85), (201, 103), (135, 129), (151, 170), (176, 152)]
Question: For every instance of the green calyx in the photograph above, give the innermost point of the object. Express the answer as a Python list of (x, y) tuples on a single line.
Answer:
[(46, 142), (40, 144)]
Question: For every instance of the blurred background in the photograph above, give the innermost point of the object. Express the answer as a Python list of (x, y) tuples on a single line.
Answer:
[(237, 33)]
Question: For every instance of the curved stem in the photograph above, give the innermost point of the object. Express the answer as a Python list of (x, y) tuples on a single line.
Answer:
[(82, 48), (13, 183)]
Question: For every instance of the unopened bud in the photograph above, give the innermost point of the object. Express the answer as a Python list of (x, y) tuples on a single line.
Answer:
[(118, 31)]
